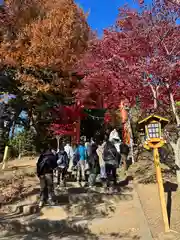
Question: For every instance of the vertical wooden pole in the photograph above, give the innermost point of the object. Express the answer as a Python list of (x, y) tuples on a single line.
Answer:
[(19, 146), (5, 157), (161, 189)]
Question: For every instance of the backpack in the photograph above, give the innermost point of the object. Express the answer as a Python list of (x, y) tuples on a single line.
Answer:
[(43, 163), (124, 149), (61, 159), (110, 153), (76, 157)]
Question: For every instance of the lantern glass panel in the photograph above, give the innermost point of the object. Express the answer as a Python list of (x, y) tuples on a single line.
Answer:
[(153, 130)]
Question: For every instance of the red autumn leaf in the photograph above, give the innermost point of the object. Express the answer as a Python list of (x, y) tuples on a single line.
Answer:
[(64, 118)]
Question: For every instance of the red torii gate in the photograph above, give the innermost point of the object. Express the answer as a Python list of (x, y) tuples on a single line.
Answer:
[(124, 117)]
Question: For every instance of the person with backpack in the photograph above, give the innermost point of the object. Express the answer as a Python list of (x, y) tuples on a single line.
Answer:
[(124, 150), (100, 151), (111, 159), (94, 167), (62, 166), (70, 152), (46, 163)]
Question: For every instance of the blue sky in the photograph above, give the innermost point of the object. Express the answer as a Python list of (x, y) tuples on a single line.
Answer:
[(103, 13)]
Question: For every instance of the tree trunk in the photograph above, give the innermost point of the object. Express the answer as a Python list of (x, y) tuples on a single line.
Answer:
[(178, 177), (2, 137), (13, 129), (154, 92), (2, 143), (173, 105), (32, 124), (175, 145), (14, 121)]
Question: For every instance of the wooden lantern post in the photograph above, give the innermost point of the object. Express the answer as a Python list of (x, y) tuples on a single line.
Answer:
[(5, 157), (153, 126)]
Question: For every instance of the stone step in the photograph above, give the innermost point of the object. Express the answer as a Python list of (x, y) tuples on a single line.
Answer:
[(98, 197)]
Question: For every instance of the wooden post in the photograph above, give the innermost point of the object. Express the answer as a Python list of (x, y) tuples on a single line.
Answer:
[(19, 146), (161, 189), (5, 157)]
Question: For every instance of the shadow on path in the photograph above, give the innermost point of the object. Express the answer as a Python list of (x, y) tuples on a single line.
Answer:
[(45, 229), (169, 187)]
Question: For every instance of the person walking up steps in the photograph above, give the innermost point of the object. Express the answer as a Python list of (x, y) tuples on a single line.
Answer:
[(94, 167), (100, 151), (69, 150), (124, 150), (111, 159), (63, 164), (46, 163), (81, 158), (88, 147)]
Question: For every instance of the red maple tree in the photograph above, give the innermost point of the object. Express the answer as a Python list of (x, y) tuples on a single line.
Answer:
[(64, 119), (138, 58)]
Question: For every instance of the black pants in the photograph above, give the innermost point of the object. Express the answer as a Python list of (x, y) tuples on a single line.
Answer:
[(46, 187), (110, 174), (61, 175)]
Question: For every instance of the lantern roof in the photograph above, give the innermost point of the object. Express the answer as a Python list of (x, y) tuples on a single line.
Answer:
[(151, 118)]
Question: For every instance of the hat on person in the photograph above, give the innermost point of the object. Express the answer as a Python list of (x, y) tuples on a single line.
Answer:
[(114, 136)]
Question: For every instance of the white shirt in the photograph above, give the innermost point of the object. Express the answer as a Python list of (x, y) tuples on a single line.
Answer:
[(117, 146), (69, 151)]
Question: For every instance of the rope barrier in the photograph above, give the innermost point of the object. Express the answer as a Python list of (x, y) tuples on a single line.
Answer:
[(94, 117)]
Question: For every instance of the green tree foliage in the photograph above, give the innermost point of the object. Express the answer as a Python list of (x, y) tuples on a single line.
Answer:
[(23, 143)]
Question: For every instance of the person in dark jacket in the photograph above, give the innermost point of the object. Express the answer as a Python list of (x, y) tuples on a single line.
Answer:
[(124, 150), (94, 167), (63, 164), (111, 159), (46, 163)]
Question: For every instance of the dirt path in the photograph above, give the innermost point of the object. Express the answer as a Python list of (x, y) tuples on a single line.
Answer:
[(151, 206), (82, 215)]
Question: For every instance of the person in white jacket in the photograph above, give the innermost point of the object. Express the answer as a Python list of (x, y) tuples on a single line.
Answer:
[(114, 137), (69, 150)]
